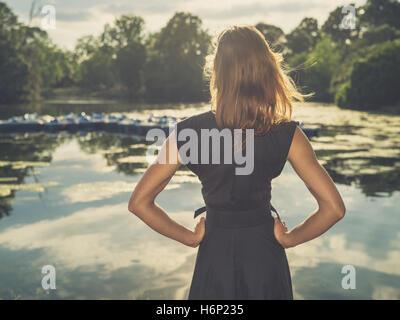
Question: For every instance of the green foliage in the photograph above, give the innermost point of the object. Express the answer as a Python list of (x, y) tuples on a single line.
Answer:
[(174, 70), (354, 67), (379, 34), (126, 37), (274, 36), (165, 66), (126, 30), (304, 37), (349, 65), (115, 58), (379, 12), (333, 27), (97, 72), (29, 63), (130, 63), (11, 64), (374, 80), (315, 69)]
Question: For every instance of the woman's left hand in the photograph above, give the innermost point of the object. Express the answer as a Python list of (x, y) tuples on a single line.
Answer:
[(198, 233), (281, 232)]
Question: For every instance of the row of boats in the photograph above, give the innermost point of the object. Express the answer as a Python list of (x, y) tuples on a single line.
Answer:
[(32, 122)]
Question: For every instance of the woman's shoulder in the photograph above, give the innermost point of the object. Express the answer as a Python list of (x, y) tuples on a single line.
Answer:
[(285, 126), (282, 133), (196, 120)]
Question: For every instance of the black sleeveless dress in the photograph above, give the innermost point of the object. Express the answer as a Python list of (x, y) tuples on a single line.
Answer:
[(239, 256)]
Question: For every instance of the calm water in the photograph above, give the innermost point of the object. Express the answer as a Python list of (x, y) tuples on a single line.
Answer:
[(63, 202)]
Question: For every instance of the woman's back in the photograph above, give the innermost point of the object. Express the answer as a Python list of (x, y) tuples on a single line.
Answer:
[(222, 186)]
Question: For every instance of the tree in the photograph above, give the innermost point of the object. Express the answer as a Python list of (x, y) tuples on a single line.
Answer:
[(125, 31), (174, 70), (274, 36), (30, 64), (315, 70), (116, 57), (334, 27), (12, 86), (373, 80), (130, 62), (379, 12), (304, 37), (379, 34), (98, 71), (126, 37), (85, 47)]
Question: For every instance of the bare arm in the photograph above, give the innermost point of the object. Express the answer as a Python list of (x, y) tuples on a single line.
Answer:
[(331, 207), (142, 201)]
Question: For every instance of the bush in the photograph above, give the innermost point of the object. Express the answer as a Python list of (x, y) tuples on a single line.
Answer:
[(315, 70), (373, 80), (380, 34)]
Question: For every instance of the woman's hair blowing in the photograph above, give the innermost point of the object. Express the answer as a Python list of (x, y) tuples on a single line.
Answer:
[(248, 86)]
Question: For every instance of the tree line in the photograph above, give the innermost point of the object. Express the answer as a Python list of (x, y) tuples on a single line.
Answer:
[(355, 67)]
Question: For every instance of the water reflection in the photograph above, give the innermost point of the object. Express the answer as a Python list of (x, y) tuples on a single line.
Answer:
[(19, 155), (357, 148), (125, 153), (68, 195)]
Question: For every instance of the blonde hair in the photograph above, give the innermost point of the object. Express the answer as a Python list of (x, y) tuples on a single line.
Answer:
[(248, 86)]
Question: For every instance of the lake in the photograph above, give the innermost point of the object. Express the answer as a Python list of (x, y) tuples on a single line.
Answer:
[(64, 197)]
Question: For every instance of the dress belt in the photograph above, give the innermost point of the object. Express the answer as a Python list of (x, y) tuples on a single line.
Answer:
[(204, 208)]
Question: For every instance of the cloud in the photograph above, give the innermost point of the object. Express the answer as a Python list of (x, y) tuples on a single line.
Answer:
[(108, 236), (258, 8), (337, 249), (83, 192), (145, 7), (73, 15)]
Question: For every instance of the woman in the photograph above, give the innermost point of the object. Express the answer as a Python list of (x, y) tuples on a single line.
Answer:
[(241, 252)]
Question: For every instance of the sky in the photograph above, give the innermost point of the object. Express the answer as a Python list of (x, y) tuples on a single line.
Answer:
[(77, 18)]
